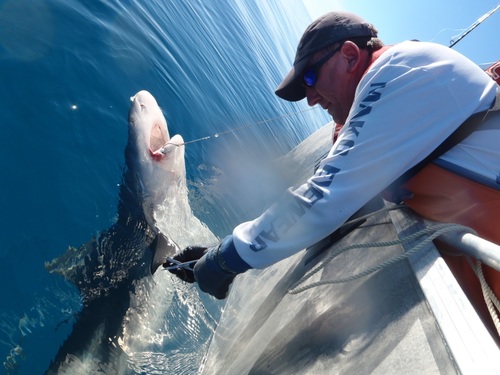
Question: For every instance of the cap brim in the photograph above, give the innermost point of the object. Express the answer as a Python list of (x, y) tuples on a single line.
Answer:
[(292, 88)]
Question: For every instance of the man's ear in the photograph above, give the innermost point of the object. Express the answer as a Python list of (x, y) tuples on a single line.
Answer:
[(352, 55)]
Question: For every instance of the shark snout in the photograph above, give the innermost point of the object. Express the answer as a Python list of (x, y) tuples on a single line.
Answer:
[(144, 100)]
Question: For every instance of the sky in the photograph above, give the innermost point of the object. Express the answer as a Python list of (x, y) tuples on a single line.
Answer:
[(427, 20)]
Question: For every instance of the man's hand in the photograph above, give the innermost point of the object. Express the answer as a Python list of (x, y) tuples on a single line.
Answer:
[(212, 276), (214, 268), (190, 253)]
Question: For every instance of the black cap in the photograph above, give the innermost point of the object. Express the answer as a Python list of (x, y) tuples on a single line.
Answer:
[(328, 29)]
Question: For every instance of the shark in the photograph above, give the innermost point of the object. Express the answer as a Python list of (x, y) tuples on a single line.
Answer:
[(109, 268)]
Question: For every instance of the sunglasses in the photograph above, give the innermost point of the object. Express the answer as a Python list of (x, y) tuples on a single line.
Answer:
[(310, 75)]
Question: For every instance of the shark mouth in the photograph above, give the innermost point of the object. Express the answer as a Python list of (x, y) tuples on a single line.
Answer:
[(158, 142), (145, 114)]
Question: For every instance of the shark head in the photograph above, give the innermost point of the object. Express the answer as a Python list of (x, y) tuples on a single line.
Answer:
[(155, 162), (148, 126)]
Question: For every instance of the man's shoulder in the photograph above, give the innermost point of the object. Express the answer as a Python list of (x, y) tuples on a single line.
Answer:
[(423, 56), (427, 53)]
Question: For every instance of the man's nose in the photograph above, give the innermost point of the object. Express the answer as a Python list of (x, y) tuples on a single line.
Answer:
[(312, 96)]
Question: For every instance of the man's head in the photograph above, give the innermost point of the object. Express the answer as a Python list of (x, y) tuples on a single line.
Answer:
[(319, 44)]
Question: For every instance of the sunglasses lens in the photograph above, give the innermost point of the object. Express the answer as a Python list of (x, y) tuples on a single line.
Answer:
[(310, 77)]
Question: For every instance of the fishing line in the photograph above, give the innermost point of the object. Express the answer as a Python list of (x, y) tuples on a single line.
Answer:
[(233, 130)]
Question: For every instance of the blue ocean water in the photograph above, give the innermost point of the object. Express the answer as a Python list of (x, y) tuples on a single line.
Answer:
[(68, 69)]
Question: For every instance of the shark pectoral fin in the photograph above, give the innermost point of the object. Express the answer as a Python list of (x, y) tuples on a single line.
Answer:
[(162, 247), (71, 265)]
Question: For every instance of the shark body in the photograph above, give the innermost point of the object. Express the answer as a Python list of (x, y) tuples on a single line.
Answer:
[(108, 269)]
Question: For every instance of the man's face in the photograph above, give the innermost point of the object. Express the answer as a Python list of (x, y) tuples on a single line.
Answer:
[(336, 81)]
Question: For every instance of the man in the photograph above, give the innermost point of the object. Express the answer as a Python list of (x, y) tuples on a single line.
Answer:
[(396, 105)]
